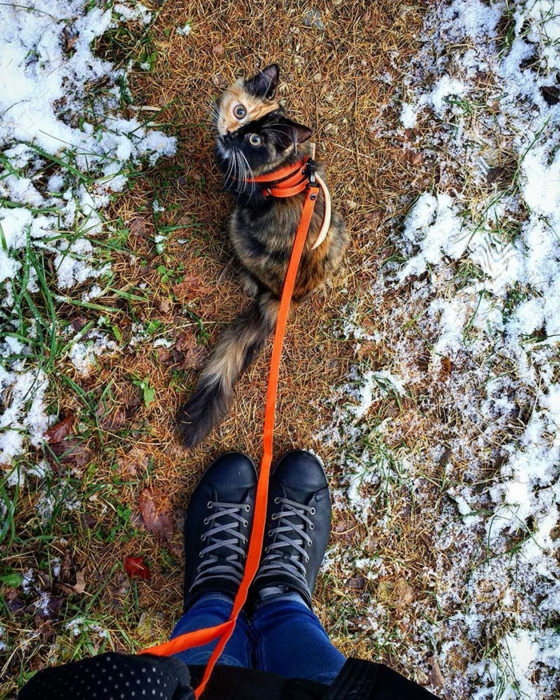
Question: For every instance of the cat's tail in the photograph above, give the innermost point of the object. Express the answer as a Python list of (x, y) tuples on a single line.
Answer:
[(238, 346)]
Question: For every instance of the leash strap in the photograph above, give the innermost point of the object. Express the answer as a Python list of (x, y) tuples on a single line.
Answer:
[(224, 631)]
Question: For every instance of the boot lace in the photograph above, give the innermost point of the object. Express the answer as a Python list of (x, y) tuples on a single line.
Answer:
[(286, 553), (221, 535)]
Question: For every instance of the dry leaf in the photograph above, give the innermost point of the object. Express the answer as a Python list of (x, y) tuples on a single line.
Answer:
[(73, 451), (219, 80), (185, 341), (80, 585), (110, 420), (134, 462), (140, 227), (60, 430), (385, 591), (156, 512), (404, 593), (191, 287), (446, 367), (164, 306), (356, 583), (435, 675), (194, 358)]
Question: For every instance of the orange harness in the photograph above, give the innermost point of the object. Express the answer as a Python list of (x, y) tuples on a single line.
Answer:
[(285, 182)]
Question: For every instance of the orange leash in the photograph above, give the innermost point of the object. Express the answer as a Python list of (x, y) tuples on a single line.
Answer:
[(224, 631)]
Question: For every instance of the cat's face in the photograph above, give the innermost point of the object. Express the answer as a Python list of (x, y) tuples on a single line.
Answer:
[(253, 131), (247, 100)]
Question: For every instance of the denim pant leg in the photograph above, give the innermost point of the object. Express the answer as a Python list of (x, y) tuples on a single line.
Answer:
[(209, 610), (290, 641)]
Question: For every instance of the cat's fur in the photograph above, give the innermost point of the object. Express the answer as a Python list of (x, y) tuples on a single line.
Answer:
[(262, 231)]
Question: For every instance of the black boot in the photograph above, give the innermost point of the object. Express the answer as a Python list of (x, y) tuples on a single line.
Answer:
[(298, 527), (218, 526)]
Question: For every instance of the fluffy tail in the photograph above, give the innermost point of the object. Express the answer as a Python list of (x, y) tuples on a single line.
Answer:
[(236, 349)]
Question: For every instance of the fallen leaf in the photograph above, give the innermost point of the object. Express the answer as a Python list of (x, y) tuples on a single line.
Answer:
[(435, 675), (446, 367), (14, 604), (218, 50), (45, 628), (140, 227), (69, 38), (404, 593), (134, 462), (164, 306), (185, 341), (60, 430), (80, 585), (73, 451), (110, 420), (193, 358), (163, 354), (156, 512), (149, 625), (219, 80), (356, 583), (192, 286), (118, 589), (136, 568), (366, 349), (78, 323), (385, 591)]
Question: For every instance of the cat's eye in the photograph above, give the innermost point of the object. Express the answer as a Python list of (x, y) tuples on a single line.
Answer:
[(254, 139), (239, 111)]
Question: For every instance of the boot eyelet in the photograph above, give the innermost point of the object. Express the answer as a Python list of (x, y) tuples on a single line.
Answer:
[(313, 511), (311, 526), (245, 523), (247, 507), (273, 516), (277, 500), (209, 504), (205, 521), (270, 535)]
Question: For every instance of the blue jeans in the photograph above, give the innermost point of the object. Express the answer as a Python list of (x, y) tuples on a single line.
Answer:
[(282, 636)]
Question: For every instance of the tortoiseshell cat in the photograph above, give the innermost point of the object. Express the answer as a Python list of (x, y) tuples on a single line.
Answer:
[(255, 137)]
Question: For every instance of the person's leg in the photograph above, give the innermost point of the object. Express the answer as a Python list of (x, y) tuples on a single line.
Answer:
[(291, 642), (217, 530), (209, 610), (289, 639)]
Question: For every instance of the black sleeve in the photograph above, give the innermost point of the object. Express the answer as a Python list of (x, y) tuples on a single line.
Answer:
[(111, 675), (365, 680)]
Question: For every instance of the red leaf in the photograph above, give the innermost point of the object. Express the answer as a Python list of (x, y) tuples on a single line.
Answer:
[(60, 430), (156, 512), (136, 568), (192, 286)]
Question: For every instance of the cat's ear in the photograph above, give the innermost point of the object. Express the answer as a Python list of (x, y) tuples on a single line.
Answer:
[(291, 132), (265, 82)]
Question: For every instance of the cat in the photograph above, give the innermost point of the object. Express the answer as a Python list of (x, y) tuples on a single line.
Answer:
[(255, 136)]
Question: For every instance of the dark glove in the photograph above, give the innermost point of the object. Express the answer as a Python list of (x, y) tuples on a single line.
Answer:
[(113, 676)]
